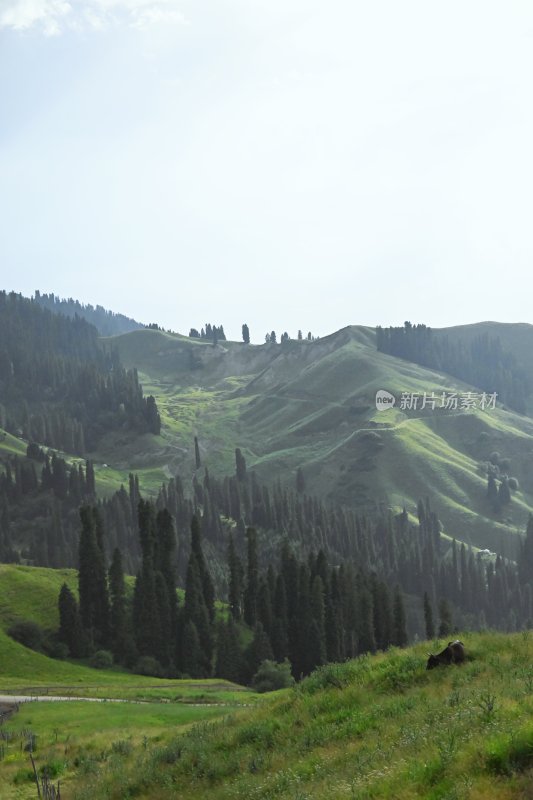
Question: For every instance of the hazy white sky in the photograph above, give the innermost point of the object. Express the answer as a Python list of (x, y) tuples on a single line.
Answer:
[(289, 164)]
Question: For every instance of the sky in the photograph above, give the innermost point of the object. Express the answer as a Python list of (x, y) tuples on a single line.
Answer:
[(290, 164)]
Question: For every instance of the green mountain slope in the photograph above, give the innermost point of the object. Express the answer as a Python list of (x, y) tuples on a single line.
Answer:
[(379, 727), (312, 405)]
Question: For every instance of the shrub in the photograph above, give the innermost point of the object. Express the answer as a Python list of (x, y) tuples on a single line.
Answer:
[(56, 649), (146, 665), (505, 754), (27, 633), (513, 484), (102, 659), (271, 676)]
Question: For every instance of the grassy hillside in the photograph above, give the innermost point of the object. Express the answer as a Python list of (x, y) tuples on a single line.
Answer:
[(312, 404), (30, 593), (378, 727)]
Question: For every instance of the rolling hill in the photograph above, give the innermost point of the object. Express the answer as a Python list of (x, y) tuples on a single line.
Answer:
[(312, 405)]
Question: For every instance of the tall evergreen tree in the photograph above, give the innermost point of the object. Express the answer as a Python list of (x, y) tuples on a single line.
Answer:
[(399, 620), (252, 579), (445, 614), (208, 589), (236, 578), (428, 617), (92, 578), (245, 334), (240, 465), (71, 630), (120, 637)]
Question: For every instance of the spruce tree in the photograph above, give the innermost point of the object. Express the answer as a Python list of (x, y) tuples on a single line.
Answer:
[(193, 661), (428, 617), (208, 590), (257, 651), (252, 579), (236, 577), (71, 630), (399, 637), (240, 465), (121, 641), (245, 334), (317, 631), (92, 578), (195, 610), (445, 614), (229, 660)]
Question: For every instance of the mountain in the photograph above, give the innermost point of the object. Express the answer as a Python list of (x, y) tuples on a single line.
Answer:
[(311, 405)]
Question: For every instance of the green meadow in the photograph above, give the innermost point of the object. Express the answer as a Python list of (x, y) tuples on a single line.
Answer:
[(379, 727)]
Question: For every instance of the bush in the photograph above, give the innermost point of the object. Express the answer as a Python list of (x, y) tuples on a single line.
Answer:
[(146, 665), (271, 676), (102, 659), (27, 633), (56, 649), (513, 484)]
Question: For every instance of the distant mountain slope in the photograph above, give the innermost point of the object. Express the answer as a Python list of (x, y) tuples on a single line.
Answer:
[(312, 405), (107, 323)]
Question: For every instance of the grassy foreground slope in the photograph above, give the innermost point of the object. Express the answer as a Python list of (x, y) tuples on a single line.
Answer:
[(378, 727), (312, 405)]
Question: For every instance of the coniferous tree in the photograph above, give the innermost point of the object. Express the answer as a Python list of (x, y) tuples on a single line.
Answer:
[(71, 630), (240, 465), (445, 614), (245, 334), (121, 641), (208, 590), (399, 620), (257, 651), (317, 631), (252, 579), (236, 578), (428, 617), (198, 460), (193, 658), (92, 578), (229, 664), (525, 559), (195, 610)]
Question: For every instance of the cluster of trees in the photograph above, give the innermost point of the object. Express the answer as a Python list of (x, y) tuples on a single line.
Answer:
[(272, 337), (482, 362), (499, 483), (306, 612), (413, 555), (301, 611), (213, 333), (58, 386), (39, 501), (107, 323)]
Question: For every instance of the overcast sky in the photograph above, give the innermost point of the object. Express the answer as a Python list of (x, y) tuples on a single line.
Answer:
[(289, 164)]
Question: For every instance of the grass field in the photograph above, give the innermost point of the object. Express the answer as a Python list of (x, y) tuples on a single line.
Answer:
[(75, 738), (379, 727)]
